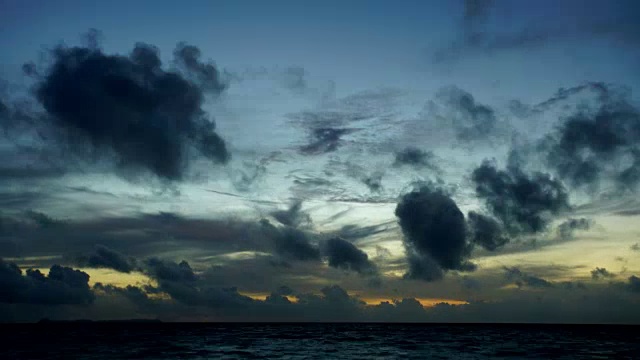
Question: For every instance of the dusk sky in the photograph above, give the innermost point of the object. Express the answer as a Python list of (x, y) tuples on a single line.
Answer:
[(463, 161)]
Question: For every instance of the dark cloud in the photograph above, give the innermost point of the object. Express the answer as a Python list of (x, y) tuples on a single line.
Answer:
[(291, 243), (568, 227), (325, 140), (486, 231), (284, 290), (355, 232), (416, 157), (435, 237), (103, 257), (592, 146), (634, 283), (293, 216), (4, 112), (522, 203), (187, 58), (62, 285), (164, 270), (344, 255), (523, 279), (135, 294), (41, 219), (185, 286), (150, 119), (471, 120), (470, 283), (601, 273)]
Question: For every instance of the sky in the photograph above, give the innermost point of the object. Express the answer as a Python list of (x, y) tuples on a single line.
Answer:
[(448, 161)]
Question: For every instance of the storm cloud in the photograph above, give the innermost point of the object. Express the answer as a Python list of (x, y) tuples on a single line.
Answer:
[(344, 255), (62, 285), (590, 147), (291, 243), (129, 107), (183, 285), (435, 235), (104, 257), (486, 231), (524, 204)]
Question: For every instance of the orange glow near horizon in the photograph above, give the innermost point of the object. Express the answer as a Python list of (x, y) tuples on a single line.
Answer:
[(426, 302)]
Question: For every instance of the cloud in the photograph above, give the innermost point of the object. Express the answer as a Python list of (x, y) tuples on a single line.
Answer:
[(603, 92), (590, 147), (374, 181), (22, 199), (435, 237), (477, 34), (5, 113), (634, 283), (476, 11), (354, 232), (524, 204), (284, 290), (41, 219), (291, 243), (182, 284), (486, 231), (187, 58), (325, 140), (601, 273), (135, 294), (294, 216), (293, 77), (100, 105), (28, 173), (103, 257), (470, 119), (523, 279), (62, 285), (413, 156), (344, 255), (327, 125), (568, 227), (244, 179), (164, 270)]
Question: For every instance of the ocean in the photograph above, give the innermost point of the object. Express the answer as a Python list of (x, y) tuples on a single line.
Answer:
[(94, 340)]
